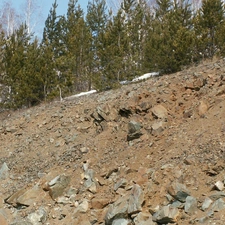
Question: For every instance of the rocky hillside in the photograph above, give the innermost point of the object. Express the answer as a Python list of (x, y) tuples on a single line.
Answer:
[(145, 154)]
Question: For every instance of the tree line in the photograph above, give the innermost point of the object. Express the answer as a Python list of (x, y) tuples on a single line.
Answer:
[(98, 49)]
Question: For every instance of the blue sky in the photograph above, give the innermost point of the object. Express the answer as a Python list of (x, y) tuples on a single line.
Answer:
[(44, 7), (47, 4)]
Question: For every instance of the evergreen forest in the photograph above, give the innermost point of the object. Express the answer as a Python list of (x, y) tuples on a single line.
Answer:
[(98, 48)]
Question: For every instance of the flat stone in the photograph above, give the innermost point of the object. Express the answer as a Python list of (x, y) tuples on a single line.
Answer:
[(30, 196), (166, 215), (190, 206), (207, 202), (25, 197), (160, 112), (219, 185)]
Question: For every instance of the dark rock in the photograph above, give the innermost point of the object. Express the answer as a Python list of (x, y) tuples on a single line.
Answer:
[(134, 130), (178, 191)]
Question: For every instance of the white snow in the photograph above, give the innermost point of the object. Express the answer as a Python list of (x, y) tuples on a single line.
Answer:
[(145, 76), (80, 94)]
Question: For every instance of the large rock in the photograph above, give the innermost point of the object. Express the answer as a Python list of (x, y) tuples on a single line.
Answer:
[(134, 130), (178, 191), (136, 199), (126, 205), (167, 214), (160, 112), (25, 197), (58, 185), (118, 210)]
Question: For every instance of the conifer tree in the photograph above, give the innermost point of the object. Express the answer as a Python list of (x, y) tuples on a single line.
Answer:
[(114, 53), (57, 80), (208, 25), (77, 44), (20, 66), (96, 20), (170, 38)]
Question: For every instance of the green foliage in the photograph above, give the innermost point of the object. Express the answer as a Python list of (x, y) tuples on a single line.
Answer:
[(96, 20), (209, 24), (21, 66), (170, 38)]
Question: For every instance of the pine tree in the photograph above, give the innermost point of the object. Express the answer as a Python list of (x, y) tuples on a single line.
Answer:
[(53, 46), (96, 20), (208, 25), (20, 67), (170, 37), (77, 46)]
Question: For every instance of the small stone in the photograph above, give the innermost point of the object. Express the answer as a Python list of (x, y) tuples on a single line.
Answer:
[(4, 171), (219, 185), (120, 184), (207, 202), (83, 207), (202, 109)]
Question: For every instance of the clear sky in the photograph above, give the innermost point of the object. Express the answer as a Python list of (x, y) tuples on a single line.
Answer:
[(43, 9), (47, 4)]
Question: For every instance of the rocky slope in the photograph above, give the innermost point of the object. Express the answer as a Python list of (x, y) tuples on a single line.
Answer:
[(145, 154)]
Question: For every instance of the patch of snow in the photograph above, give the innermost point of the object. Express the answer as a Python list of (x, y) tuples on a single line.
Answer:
[(145, 76), (80, 94), (124, 82)]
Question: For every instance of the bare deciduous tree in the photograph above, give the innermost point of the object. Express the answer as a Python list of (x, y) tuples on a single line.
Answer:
[(33, 15), (9, 18)]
